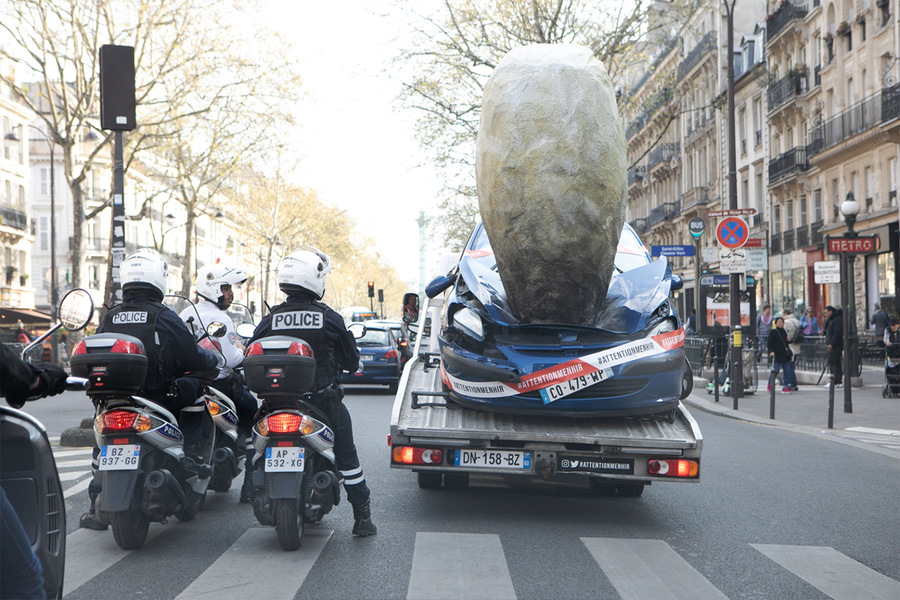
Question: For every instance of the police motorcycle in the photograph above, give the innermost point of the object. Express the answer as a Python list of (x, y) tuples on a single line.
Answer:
[(228, 453), (29, 476), (146, 472), (295, 479)]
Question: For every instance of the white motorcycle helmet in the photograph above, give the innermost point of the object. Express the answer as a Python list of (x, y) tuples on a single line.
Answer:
[(144, 270), (211, 278), (305, 269)]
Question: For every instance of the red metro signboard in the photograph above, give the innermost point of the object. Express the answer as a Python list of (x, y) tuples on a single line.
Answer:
[(852, 245), (732, 232)]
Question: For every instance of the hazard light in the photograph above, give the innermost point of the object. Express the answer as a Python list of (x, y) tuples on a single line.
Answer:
[(408, 455), (679, 467)]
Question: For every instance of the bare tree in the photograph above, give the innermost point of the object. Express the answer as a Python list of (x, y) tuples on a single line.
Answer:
[(453, 53)]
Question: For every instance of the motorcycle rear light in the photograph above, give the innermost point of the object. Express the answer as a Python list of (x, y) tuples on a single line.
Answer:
[(122, 421), (300, 349), (284, 423), (80, 348), (391, 353), (409, 455), (210, 344), (125, 347), (674, 468), (255, 350)]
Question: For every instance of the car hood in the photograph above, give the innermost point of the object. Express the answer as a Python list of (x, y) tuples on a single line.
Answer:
[(632, 298)]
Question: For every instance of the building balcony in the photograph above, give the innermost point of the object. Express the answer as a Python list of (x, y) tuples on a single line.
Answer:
[(639, 225), (890, 103), (788, 163), (706, 44), (802, 236), (15, 219), (776, 244), (856, 120), (816, 236), (787, 240), (662, 154), (784, 90), (783, 17), (636, 175), (695, 197)]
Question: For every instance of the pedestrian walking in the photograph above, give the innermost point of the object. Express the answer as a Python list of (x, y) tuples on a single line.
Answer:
[(782, 356), (763, 326), (880, 320), (794, 336), (834, 342)]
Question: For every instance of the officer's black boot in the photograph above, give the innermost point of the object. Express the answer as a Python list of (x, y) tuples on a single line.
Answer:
[(362, 523), (89, 519), (247, 488)]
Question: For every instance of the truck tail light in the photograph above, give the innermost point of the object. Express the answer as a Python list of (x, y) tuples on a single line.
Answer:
[(680, 467), (408, 455)]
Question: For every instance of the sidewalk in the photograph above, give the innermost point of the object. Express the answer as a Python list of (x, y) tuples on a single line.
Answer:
[(808, 407)]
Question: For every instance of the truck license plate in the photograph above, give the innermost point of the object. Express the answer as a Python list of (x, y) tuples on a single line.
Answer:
[(285, 459), (119, 457), (493, 459)]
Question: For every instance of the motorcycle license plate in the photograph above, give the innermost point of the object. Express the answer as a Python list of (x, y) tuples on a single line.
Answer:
[(120, 457), (493, 459), (285, 459)]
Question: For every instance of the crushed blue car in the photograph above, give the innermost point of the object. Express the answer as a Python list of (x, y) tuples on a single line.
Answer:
[(630, 363)]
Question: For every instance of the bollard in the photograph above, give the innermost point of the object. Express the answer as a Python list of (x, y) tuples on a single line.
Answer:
[(831, 402), (716, 379), (772, 387)]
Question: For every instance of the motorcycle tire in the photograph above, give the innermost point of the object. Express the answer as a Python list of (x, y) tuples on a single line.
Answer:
[(130, 529), (191, 508), (288, 523), (220, 482)]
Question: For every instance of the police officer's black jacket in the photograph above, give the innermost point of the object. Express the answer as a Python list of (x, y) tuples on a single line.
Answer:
[(834, 330), (301, 316), (171, 349)]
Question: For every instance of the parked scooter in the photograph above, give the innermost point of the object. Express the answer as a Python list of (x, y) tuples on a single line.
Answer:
[(146, 472), (295, 478), (29, 476)]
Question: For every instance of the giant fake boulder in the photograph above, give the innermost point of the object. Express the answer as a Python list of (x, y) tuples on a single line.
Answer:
[(550, 173)]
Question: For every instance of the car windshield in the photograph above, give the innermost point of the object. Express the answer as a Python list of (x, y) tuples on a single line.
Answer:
[(374, 337), (630, 253)]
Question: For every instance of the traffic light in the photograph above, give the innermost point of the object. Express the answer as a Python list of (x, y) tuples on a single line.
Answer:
[(381, 295), (371, 289)]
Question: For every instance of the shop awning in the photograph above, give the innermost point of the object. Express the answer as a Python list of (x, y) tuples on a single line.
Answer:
[(10, 316)]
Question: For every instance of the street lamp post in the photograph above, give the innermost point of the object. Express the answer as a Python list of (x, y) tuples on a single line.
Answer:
[(849, 209), (54, 299)]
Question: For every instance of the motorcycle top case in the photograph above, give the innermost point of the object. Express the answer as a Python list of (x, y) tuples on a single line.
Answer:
[(113, 362), (279, 365)]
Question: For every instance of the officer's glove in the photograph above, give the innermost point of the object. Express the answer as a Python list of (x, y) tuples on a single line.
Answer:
[(52, 380)]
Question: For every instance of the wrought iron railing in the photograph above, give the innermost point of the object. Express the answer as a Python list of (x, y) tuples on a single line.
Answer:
[(785, 89), (10, 217), (663, 153), (775, 244), (697, 196), (706, 44), (637, 174), (802, 236), (856, 120), (788, 162), (782, 17), (817, 236), (890, 103), (787, 239)]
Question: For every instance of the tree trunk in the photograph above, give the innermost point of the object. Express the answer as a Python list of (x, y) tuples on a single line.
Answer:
[(187, 270)]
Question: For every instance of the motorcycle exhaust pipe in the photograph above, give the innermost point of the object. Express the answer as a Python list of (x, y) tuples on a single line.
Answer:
[(224, 458), (164, 487), (325, 489)]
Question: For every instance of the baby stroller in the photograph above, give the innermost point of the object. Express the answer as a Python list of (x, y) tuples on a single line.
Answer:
[(891, 377)]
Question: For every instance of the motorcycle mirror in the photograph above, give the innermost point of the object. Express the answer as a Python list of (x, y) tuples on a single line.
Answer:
[(245, 330), (76, 309), (357, 329), (677, 282), (438, 285), (216, 329)]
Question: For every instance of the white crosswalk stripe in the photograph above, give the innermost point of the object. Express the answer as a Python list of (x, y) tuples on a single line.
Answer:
[(89, 553), (459, 565), (834, 574), (641, 569), (74, 466)]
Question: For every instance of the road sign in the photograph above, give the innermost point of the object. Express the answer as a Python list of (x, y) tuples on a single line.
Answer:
[(724, 280), (696, 226), (848, 245), (672, 250), (757, 259), (732, 232), (827, 271), (732, 261), (735, 212), (754, 243)]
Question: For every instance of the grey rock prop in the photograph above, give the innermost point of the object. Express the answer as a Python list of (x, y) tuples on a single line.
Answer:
[(550, 174)]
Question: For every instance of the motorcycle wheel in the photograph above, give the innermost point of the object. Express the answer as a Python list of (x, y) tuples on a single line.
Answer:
[(288, 523), (130, 529), (192, 507)]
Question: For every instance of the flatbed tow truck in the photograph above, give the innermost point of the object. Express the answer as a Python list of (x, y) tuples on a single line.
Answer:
[(444, 442)]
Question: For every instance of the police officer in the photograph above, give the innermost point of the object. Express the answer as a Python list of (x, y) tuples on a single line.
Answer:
[(170, 347), (214, 295), (301, 275)]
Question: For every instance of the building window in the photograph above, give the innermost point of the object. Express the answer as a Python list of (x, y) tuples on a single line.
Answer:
[(776, 219), (817, 206), (803, 216), (45, 182), (789, 215), (44, 233)]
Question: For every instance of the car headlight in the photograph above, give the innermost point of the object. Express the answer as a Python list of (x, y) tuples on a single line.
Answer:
[(468, 321), (664, 326)]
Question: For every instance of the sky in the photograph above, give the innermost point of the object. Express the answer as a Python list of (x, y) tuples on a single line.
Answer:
[(358, 149)]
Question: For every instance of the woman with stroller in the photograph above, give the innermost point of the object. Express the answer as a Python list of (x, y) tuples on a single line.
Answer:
[(777, 346)]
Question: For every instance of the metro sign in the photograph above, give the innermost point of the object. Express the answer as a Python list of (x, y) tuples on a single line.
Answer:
[(848, 245)]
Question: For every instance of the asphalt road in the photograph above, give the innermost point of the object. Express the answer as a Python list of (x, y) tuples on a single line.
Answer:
[(777, 514)]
